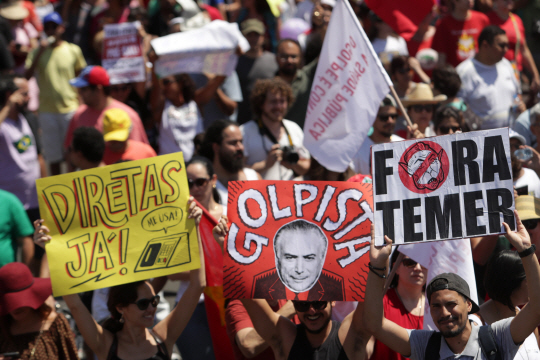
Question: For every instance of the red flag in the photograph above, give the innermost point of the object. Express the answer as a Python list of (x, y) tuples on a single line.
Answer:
[(213, 255), (214, 303), (402, 16)]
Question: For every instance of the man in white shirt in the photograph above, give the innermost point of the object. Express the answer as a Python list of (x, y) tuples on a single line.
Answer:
[(526, 182)]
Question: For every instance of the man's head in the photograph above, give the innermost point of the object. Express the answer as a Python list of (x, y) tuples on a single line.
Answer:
[(87, 147), (450, 303), (385, 122), (223, 145), (420, 104), (93, 84), (516, 140), (300, 250), (53, 25), (271, 98), (10, 84), (534, 113), (446, 80), (116, 129), (253, 30), (492, 44), (288, 57), (315, 315)]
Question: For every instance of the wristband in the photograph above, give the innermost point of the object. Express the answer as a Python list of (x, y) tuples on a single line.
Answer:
[(372, 269), (527, 252), (376, 268)]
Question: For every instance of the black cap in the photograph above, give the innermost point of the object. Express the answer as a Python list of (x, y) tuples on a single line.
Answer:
[(450, 281)]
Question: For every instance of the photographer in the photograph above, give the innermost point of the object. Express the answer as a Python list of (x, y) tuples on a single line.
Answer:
[(273, 146)]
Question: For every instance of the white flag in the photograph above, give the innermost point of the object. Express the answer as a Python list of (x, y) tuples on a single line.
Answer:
[(450, 256), (348, 87)]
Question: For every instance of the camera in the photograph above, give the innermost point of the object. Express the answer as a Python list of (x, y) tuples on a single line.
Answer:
[(290, 155)]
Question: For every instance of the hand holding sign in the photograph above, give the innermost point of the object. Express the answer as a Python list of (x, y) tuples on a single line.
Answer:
[(520, 238), (379, 255)]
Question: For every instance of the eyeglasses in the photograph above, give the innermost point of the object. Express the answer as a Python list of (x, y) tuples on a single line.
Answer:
[(530, 224), (410, 263), (143, 304), (197, 182), (446, 129), (419, 108), (304, 306), (387, 116)]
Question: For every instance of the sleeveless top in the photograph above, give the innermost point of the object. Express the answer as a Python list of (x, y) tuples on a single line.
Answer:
[(162, 353), (331, 349)]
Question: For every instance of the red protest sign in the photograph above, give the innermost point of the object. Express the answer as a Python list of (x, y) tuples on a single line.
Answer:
[(297, 240)]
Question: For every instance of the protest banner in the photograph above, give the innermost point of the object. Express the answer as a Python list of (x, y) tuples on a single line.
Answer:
[(348, 87), (402, 16), (438, 257), (118, 224), (122, 53), (210, 49), (445, 187), (297, 240)]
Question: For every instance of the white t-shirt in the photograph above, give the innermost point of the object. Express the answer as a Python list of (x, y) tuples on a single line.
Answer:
[(178, 127), (361, 161), (257, 147), (529, 180), (224, 192), (489, 90)]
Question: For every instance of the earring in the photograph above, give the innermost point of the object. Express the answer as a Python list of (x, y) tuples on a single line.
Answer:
[(121, 321)]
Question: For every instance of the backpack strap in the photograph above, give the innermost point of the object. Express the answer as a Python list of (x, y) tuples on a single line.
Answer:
[(433, 347), (488, 344)]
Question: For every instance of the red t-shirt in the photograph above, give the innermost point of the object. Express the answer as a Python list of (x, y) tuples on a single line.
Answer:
[(459, 39), (85, 116), (395, 311), (508, 26), (135, 151)]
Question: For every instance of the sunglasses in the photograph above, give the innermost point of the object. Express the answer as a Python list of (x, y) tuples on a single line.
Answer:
[(530, 224), (387, 116), (410, 263), (419, 108), (143, 304), (304, 306), (197, 182), (446, 129)]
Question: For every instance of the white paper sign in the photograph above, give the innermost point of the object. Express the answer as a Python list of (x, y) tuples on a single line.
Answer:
[(122, 53), (446, 187)]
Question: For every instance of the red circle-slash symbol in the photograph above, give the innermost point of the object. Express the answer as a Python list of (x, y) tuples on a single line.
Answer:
[(423, 167)]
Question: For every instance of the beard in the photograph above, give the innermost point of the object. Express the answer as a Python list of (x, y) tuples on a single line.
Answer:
[(453, 333), (288, 70), (323, 327), (232, 163)]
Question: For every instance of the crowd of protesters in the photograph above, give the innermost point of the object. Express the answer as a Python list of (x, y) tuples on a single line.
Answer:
[(471, 65)]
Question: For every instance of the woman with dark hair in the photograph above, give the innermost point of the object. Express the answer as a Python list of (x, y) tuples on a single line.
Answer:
[(447, 120), (127, 334), (506, 286), (202, 185), (29, 325), (175, 110), (403, 302)]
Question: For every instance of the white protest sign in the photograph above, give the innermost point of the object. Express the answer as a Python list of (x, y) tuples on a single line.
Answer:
[(445, 187), (453, 256), (210, 49), (122, 53), (348, 87)]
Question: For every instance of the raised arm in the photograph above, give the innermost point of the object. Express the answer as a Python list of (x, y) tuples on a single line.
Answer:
[(221, 230), (391, 334), (529, 317), (94, 335), (170, 328)]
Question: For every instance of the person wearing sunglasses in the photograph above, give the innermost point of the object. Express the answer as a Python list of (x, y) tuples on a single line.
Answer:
[(528, 208), (403, 302), (447, 120), (383, 132), (420, 104), (126, 334)]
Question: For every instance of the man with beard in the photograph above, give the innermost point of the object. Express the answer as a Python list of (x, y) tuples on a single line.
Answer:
[(223, 145), (450, 303), (316, 337), (274, 146), (289, 60), (526, 182), (383, 132)]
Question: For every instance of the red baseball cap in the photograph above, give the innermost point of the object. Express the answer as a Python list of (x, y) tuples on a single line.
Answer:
[(91, 75)]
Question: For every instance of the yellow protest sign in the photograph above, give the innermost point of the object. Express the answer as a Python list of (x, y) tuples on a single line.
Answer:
[(118, 224)]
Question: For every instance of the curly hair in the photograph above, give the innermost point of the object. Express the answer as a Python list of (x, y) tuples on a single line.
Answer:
[(261, 89)]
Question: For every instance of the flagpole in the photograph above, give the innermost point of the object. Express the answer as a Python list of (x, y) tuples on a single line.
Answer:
[(394, 93)]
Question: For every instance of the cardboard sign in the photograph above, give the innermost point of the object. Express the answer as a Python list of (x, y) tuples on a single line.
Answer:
[(118, 224), (297, 240), (122, 53), (445, 187)]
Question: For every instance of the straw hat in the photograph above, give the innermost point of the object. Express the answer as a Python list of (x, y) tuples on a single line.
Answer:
[(18, 288), (422, 94), (13, 11), (528, 207)]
